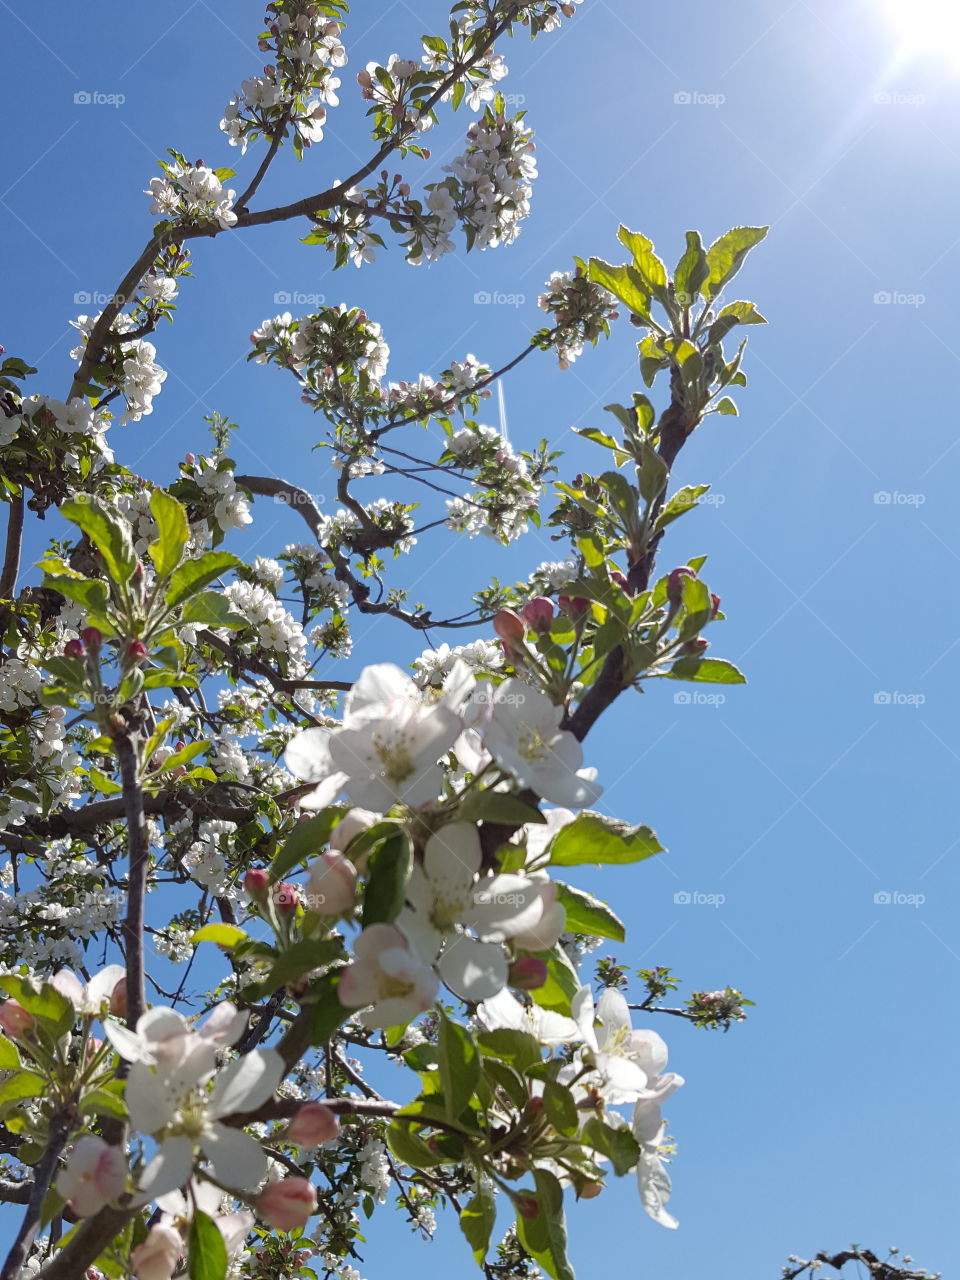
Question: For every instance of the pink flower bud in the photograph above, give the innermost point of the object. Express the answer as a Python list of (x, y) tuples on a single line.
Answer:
[(715, 600), (527, 973), (158, 1256), (619, 578), (332, 888), (574, 606), (675, 583), (74, 649), (286, 896), (693, 648), (118, 999), (528, 1206), (256, 883), (590, 1190), (136, 651), (92, 637), (190, 459), (539, 613), (509, 626), (286, 1204), (353, 822), (314, 1123), (14, 1019)]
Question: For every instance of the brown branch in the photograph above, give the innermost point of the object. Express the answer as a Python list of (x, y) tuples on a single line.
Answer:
[(138, 846), (44, 1170)]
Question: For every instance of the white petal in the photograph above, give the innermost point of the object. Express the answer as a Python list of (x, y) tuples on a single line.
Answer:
[(69, 985), (612, 1012), (502, 1010), (584, 1013), (225, 1025), (654, 1184), (308, 755), (101, 985), (247, 1083), (377, 687), (238, 1160), (324, 793), (451, 859), (473, 970), (126, 1042), (169, 1169), (151, 1101)]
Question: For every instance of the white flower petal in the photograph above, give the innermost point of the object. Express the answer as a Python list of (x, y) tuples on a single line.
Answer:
[(247, 1083), (151, 1100), (238, 1160), (169, 1169), (473, 970), (308, 755)]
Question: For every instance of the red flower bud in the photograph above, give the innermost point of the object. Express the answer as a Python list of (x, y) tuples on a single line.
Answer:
[(118, 999), (190, 459), (314, 1123), (527, 974), (286, 896), (287, 1204), (256, 883), (574, 606), (509, 626), (693, 648), (716, 603), (539, 613), (590, 1190), (136, 651), (675, 583), (14, 1019), (92, 637), (73, 649)]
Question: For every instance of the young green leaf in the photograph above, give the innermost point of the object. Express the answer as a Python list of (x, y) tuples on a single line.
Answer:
[(173, 532), (593, 837)]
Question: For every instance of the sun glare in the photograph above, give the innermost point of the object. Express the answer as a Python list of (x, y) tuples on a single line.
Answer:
[(927, 27)]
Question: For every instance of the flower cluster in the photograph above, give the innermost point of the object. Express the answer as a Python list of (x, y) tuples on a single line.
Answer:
[(296, 87), (275, 628), (506, 494), (581, 310), (192, 193), (338, 354)]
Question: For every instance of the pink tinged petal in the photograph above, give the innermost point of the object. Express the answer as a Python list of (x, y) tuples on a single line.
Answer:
[(238, 1160), (102, 985), (308, 755), (225, 1025), (70, 986), (126, 1042), (151, 1101), (157, 1257), (234, 1227), (474, 971), (169, 1169), (247, 1083), (650, 1050)]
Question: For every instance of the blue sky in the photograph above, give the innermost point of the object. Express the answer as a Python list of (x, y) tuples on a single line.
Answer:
[(829, 1117)]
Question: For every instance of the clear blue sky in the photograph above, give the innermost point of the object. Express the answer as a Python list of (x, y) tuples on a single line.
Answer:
[(830, 1116)]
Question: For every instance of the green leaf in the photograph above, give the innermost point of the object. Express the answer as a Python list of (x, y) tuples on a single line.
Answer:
[(388, 871), (106, 786), (459, 1065), (742, 312), (692, 271), (89, 592), (307, 840), (307, 954), (545, 1236), (726, 256), (562, 982), (726, 408), (107, 530), (407, 1145), (328, 1012), (706, 671), (624, 283), (208, 1251), (211, 609), (173, 532), (44, 1001), (593, 837), (9, 1055), (183, 756), (25, 1084), (197, 574), (618, 1145), (560, 1108), (683, 500), (652, 472), (477, 1220), (498, 806), (587, 914), (519, 1048), (224, 935), (101, 1102)]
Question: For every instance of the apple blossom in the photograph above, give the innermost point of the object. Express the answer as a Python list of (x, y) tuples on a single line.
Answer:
[(313, 1124), (95, 1174), (99, 991), (388, 976), (332, 886), (14, 1019)]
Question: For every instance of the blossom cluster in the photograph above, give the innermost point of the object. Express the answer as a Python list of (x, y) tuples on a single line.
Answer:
[(506, 493), (192, 193), (581, 312), (337, 354)]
